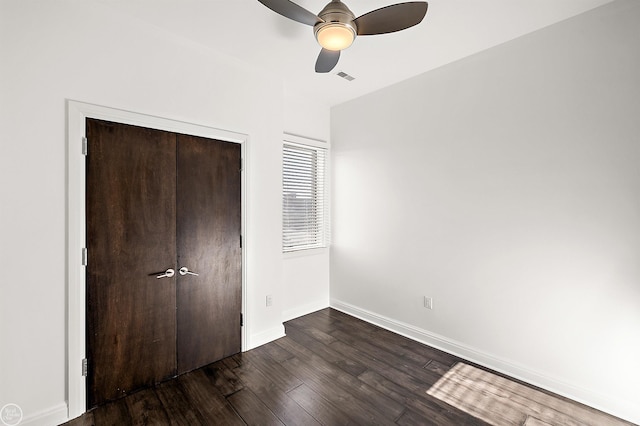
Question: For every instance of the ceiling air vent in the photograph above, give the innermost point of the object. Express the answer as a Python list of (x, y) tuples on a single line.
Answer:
[(345, 76)]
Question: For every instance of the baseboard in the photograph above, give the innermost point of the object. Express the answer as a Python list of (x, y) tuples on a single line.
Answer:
[(51, 416), (623, 409), (308, 308), (266, 336)]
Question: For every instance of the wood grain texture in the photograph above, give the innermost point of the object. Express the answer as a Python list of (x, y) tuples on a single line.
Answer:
[(178, 407), (159, 200), (281, 403), (252, 410), (208, 229), (145, 408), (327, 371), (131, 237)]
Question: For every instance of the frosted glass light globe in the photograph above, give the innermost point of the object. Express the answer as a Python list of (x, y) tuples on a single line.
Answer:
[(335, 36)]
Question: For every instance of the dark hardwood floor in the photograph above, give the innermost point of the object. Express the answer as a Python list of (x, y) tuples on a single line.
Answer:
[(330, 369)]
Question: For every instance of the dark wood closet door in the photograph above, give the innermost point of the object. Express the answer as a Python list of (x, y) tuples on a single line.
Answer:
[(131, 238), (208, 229)]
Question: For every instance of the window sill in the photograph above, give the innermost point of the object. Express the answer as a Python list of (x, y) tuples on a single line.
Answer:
[(305, 253)]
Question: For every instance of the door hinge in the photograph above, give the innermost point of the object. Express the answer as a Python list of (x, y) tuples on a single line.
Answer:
[(241, 320), (85, 257), (240, 240), (241, 165), (85, 146), (85, 367)]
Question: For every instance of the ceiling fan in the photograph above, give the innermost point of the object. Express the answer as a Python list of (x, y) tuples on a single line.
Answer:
[(336, 27)]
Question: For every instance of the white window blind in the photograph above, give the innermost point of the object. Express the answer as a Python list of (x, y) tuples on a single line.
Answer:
[(304, 203)]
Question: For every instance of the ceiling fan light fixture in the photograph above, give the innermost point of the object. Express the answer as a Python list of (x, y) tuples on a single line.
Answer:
[(336, 27), (335, 35)]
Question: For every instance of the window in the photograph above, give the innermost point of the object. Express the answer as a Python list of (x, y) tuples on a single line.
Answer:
[(304, 203)]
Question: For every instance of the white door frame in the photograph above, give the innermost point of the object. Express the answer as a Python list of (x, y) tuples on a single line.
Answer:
[(77, 112)]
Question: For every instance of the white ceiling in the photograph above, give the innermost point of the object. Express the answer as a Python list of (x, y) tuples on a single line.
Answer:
[(452, 29)]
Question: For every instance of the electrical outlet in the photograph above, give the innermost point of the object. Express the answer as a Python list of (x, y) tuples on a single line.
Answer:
[(428, 302), (269, 300)]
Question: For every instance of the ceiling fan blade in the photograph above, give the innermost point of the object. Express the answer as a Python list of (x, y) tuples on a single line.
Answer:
[(327, 59), (291, 10), (391, 18)]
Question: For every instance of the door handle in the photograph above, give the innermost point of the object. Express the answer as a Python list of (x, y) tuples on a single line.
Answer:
[(184, 271), (167, 274)]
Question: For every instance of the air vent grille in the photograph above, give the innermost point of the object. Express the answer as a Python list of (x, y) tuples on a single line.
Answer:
[(345, 76)]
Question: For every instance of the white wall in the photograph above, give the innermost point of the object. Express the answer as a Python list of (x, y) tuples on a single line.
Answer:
[(85, 51), (306, 273), (507, 187)]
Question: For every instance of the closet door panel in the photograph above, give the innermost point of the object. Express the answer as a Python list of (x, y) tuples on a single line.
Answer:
[(208, 244), (131, 238)]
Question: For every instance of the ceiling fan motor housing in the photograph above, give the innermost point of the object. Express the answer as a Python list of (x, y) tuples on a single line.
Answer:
[(337, 15)]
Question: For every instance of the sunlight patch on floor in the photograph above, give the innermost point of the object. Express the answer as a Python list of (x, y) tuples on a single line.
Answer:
[(503, 402)]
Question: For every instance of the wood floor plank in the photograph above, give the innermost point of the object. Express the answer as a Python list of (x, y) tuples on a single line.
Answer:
[(414, 376), (210, 403), (437, 367), (340, 319), (387, 354), (276, 373), (319, 319), (405, 343), (420, 404), (278, 401), (277, 353), (223, 378), (176, 405), (407, 351), (410, 418), (146, 409), (233, 361), (252, 409), (312, 328), (113, 413), (343, 321), (383, 362), (378, 401), (319, 407), (326, 352), (360, 411), (532, 421)]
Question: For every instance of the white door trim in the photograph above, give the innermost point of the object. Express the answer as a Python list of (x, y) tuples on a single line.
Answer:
[(77, 112)]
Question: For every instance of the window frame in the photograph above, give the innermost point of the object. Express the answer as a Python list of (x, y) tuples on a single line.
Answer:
[(324, 226)]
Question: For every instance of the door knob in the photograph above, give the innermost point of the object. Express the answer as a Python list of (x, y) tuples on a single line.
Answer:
[(184, 271), (167, 274)]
